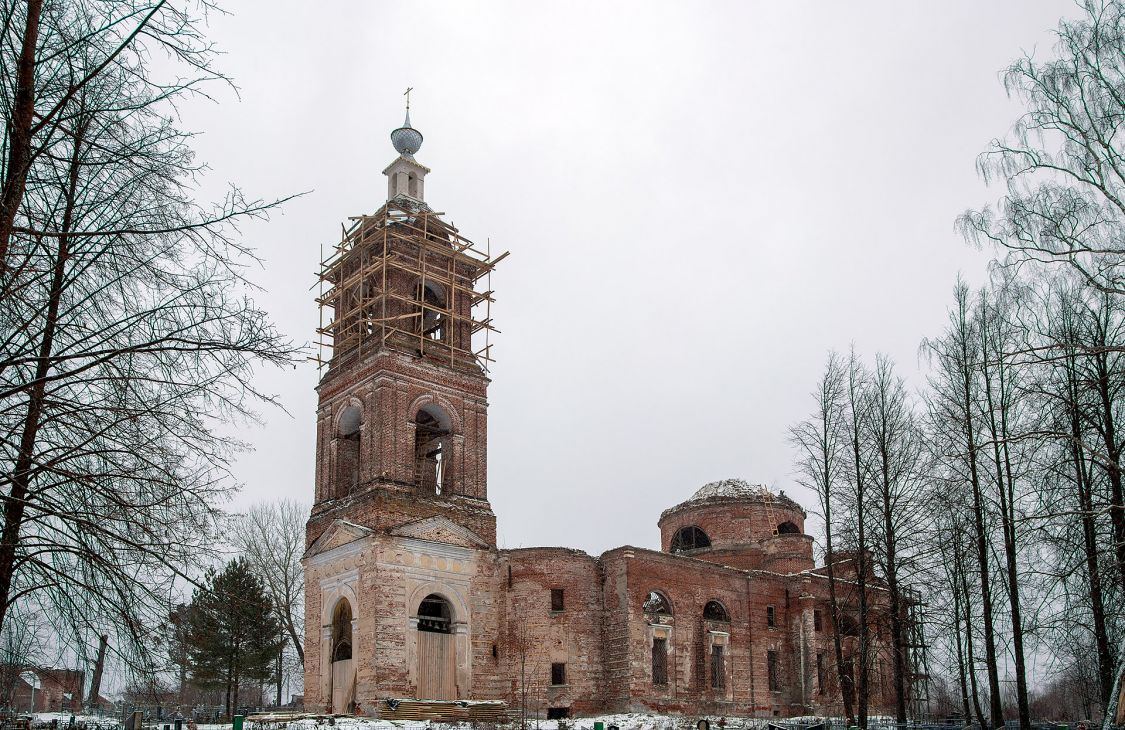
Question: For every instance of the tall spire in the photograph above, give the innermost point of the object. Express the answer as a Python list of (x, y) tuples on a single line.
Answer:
[(406, 139)]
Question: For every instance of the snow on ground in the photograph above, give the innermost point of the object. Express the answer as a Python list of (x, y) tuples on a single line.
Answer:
[(63, 719), (630, 721)]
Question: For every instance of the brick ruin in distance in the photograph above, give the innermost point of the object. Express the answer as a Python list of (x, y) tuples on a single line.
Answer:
[(408, 595)]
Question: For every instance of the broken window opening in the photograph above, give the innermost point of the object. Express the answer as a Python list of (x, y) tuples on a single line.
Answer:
[(434, 615), (690, 538), (660, 662), (558, 713), (657, 607), (849, 626), (558, 674), (774, 667), (817, 620), (718, 676), (715, 611), (342, 631), (431, 455), (558, 599), (821, 674), (788, 528), (432, 311), (771, 616)]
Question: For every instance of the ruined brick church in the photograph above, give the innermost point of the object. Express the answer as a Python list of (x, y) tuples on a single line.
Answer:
[(408, 595)]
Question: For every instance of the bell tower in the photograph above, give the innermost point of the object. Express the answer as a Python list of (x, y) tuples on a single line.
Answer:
[(402, 416)]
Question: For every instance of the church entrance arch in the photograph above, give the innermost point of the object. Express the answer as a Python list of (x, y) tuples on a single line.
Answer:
[(437, 651), (343, 669)]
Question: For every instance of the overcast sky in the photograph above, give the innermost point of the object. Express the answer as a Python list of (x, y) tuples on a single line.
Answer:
[(700, 199)]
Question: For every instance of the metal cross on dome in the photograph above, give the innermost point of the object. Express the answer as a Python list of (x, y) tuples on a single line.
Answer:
[(407, 94)]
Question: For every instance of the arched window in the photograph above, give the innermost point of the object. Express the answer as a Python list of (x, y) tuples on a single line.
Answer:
[(788, 528), (342, 631), (715, 611), (347, 449), (690, 538), (432, 311), (431, 448), (434, 615), (656, 606)]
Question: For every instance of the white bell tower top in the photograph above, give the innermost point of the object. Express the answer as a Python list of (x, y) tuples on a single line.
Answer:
[(405, 176)]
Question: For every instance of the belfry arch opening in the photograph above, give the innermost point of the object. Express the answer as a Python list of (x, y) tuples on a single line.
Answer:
[(435, 615), (432, 429), (432, 306), (689, 538), (348, 428)]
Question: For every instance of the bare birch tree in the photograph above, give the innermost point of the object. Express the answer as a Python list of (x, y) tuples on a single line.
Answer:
[(1063, 161), (821, 445)]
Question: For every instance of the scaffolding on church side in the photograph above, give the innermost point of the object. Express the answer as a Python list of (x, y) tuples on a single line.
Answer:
[(403, 278)]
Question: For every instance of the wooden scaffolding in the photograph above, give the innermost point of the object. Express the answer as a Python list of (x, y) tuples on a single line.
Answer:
[(403, 278)]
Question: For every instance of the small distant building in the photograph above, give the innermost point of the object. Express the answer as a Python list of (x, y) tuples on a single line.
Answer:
[(58, 690)]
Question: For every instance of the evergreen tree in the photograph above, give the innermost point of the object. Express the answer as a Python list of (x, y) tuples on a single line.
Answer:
[(235, 634)]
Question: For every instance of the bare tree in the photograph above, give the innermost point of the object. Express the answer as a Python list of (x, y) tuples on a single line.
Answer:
[(271, 536), (895, 445), (821, 444), (855, 498), (954, 396), (126, 331), (1063, 162)]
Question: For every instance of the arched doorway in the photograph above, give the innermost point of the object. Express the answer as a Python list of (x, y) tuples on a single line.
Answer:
[(343, 668), (437, 653)]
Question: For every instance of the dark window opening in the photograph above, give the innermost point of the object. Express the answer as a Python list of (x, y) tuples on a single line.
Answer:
[(558, 674), (788, 528), (849, 626), (817, 621), (657, 606), (495, 652), (689, 538), (431, 455), (774, 668), (342, 631), (821, 674), (434, 615), (771, 616), (714, 611), (558, 713), (660, 662), (718, 675), (558, 602)]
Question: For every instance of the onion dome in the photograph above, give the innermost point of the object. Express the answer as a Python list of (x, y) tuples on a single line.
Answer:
[(406, 139)]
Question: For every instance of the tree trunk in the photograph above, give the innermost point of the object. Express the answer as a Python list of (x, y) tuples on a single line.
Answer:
[(1005, 489), (14, 506), (969, 646), (19, 147)]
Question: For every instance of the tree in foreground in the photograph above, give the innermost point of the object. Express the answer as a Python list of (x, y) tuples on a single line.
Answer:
[(271, 537), (126, 332), (234, 633)]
